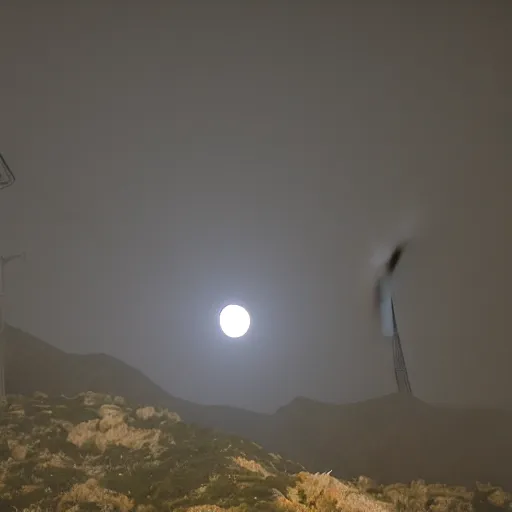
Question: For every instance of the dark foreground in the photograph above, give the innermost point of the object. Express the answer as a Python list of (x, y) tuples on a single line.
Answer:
[(94, 452)]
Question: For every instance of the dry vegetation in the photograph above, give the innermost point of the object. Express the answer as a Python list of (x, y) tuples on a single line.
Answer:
[(94, 452)]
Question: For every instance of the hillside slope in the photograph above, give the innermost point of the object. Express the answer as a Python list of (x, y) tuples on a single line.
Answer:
[(399, 438), (95, 452), (32, 364), (394, 438)]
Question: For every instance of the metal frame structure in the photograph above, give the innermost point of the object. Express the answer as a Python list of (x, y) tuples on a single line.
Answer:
[(6, 176), (401, 375)]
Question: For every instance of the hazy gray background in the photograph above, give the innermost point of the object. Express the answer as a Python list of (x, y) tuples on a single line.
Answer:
[(173, 155)]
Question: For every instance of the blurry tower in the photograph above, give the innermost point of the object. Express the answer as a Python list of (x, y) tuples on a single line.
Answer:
[(6, 176), (388, 320), (6, 180)]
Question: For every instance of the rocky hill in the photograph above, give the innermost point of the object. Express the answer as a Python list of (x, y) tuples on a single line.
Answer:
[(95, 452), (391, 439)]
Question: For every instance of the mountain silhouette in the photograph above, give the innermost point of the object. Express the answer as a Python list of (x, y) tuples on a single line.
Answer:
[(394, 438)]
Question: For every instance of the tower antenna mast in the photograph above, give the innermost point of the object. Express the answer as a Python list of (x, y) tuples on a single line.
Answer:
[(388, 319), (6, 180)]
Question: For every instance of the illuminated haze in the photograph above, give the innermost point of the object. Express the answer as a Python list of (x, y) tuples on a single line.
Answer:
[(173, 155)]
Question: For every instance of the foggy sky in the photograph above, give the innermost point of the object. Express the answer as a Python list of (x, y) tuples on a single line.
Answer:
[(173, 156)]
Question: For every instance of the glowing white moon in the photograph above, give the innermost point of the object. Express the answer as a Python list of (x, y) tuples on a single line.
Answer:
[(234, 321)]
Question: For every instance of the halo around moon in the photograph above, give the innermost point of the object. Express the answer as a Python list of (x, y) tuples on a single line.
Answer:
[(234, 321)]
